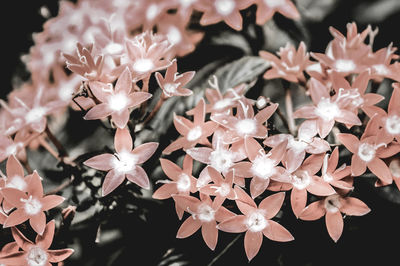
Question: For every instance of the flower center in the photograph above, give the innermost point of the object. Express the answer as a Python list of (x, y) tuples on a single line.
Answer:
[(170, 88), (332, 203), (392, 125), (194, 134), (183, 183), (301, 179), (366, 152), (174, 36), (246, 126), (118, 102), (205, 213), (256, 222), (143, 65), (327, 110), (221, 104), (380, 69), (221, 160), (35, 115), (114, 48), (263, 167), (125, 161), (224, 7), (36, 257), (17, 182), (297, 145), (394, 168), (32, 205), (344, 65)]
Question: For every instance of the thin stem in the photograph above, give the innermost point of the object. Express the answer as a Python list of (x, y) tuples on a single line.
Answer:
[(289, 110), (155, 109), (60, 148), (62, 186), (145, 88), (283, 118), (50, 149), (224, 250), (28, 168)]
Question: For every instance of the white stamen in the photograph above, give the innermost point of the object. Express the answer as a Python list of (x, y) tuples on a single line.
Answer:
[(246, 127), (170, 88), (366, 152), (124, 161), (17, 182), (143, 65), (221, 104), (32, 206), (36, 257), (256, 221), (118, 102), (221, 159), (194, 134), (344, 65), (223, 189), (274, 3), (332, 203), (35, 114), (183, 183), (205, 213), (263, 167), (380, 69), (392, 125), (224, 7), (301, 179), (114, 48), (174, 35), (327, 110)]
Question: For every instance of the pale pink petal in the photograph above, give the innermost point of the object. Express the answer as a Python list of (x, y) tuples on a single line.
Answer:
[(123, 140), (16, 217), (234, 20), (188, 227), (59, 254), (38, 222), (347, 117), (201, 154), (277, 232), (51, 201), (307, 112), (103, 162), (139, 177), (120, 119), (252, 243), (100, 90), (314, 211), (324, 127), (182, 124), (170, 169), (253, 148), (98, 112), (394, 103), (333, 160), (165, 191), (112, 180), (293, 159), (145, 151), (381, 170), (263, 115), (334, 224), (298, 200), (45, 240), (14, 167), (124, 82), (223, 214), (18, 258), (272, 204), (319, 187), (235, 224), (209, 232), (23, 242), (14, 196), (186, 202), (350, 141), (258, 186), (242, 169), (137, 98), (175, 145), (353, 206), (199, 113)]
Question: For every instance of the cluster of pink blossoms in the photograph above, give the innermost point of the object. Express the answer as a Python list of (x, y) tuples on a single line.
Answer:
[(243, 163)]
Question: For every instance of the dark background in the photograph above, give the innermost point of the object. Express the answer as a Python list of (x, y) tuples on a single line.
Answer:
[(369, 240)]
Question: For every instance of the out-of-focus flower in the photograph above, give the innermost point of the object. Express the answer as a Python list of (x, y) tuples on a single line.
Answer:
[(37, 253), (256, 221), (290, 65), (205, 213), (173, 83), (332, 207), (267, 8), (124, 163), (116, 102), (30, 205)]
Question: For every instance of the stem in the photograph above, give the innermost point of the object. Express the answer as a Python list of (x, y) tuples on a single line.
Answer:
[(155, 109), (283, 118), (224, 250), (145, 88), (62, 186), (289, 110), (60, 148), (28, 168), (50, 149)]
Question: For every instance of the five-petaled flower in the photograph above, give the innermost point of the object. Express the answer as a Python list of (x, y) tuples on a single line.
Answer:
[(124, 163)]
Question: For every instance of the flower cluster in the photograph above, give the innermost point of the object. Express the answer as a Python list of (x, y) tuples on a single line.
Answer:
[(253, 164)]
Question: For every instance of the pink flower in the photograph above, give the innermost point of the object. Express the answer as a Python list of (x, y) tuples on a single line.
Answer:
[(115, 102), (332, 207), (368, 151), (124, 163), (173, 83), (263, 166), (333, 176), (30, 205), (245, 123), (37, 253), (205, 214), (182, 181), (267, 8), (215, 11), (304, 180), (192, 132), (290, 65), (306, 142), (256, 221), (326, 109), (9, 248)]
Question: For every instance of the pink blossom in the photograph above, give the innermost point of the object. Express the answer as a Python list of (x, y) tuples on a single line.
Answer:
[(267, 8)]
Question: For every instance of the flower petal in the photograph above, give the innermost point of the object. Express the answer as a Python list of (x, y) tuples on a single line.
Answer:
[(235, 224), (313, 211), (112, 180), (334, 224), (139, 177), (145, 151), (277, 232), (353, 206), (38, 222), (209, 232), (381, 170), (45, 240), (59, 254), (103, 162), (252, 243), (51, 201), (123, 140), (188, 227), (272, 204)]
